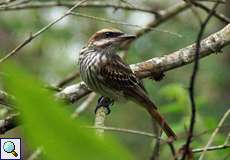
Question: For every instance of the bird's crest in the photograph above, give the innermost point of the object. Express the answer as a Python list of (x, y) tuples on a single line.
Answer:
[(104, 33)]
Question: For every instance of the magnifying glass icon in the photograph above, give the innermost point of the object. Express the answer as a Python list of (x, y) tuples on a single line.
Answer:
[(9, 147)]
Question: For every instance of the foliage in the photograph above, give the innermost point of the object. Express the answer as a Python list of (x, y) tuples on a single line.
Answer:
[(47, 123), (53, 56)]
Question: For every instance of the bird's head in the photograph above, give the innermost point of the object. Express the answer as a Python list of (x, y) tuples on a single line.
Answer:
[(109, 38)]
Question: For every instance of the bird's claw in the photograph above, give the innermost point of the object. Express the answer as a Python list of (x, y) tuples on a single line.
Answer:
[(104, 102), (108, 110)]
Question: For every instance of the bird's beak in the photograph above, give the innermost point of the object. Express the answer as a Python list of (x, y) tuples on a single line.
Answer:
[(126, 37), (120, 41)]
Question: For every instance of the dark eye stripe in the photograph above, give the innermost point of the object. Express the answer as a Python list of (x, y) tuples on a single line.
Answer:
[(112, 34)]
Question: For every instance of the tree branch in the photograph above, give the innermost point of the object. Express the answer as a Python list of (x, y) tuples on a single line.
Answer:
[(99, 122), (9, 123), (220, 16), (212, 44), (35, 35), (186, 148), (184, 56), (220, 1), (124, 130), (84, 105), (91, 4), (68, 79), (212, 148), (214, 134), (113, 21), (163, 15)]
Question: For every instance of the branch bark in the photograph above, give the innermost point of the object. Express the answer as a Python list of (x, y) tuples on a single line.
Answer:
[(9, 123), (212, 44), (99, 122), (209, 45), (162, 16)]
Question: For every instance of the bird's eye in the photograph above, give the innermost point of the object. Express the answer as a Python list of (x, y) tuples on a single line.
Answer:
[(108, 34)]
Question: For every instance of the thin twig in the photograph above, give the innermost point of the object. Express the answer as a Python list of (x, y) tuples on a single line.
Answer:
[(68, 79), (90, 4), (186, 148), (214, 134), (173, 150), (6, 2), (128, 3), (15, 3), (212, 44), (163, 16), (213, 1), (124, 130), (113, 21), (212, 148), (219, 16), (156, 149), (36, 154), (35, 35), (210, 130), (84, 105), (194, 11)]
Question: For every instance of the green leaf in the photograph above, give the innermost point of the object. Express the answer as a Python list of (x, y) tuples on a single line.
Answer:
[(177, 97), (47, 123)]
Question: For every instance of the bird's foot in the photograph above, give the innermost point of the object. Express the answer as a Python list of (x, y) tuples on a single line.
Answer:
[(104, 102), (157, 76)]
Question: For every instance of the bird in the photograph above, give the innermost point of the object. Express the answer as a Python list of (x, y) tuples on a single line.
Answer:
[(104, 72)]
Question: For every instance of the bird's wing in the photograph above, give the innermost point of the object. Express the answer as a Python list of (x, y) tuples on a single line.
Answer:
[(119, 75)]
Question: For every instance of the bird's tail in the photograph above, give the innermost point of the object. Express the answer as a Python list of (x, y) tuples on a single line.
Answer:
[(139, 96), (142, 98), (161, 121)]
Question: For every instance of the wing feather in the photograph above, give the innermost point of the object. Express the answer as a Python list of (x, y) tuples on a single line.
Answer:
[(119, 75)]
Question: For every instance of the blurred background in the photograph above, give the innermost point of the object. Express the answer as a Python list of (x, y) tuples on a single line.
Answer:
[(53, 56)]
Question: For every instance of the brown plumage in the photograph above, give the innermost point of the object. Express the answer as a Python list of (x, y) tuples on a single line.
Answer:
[(107, 74)]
